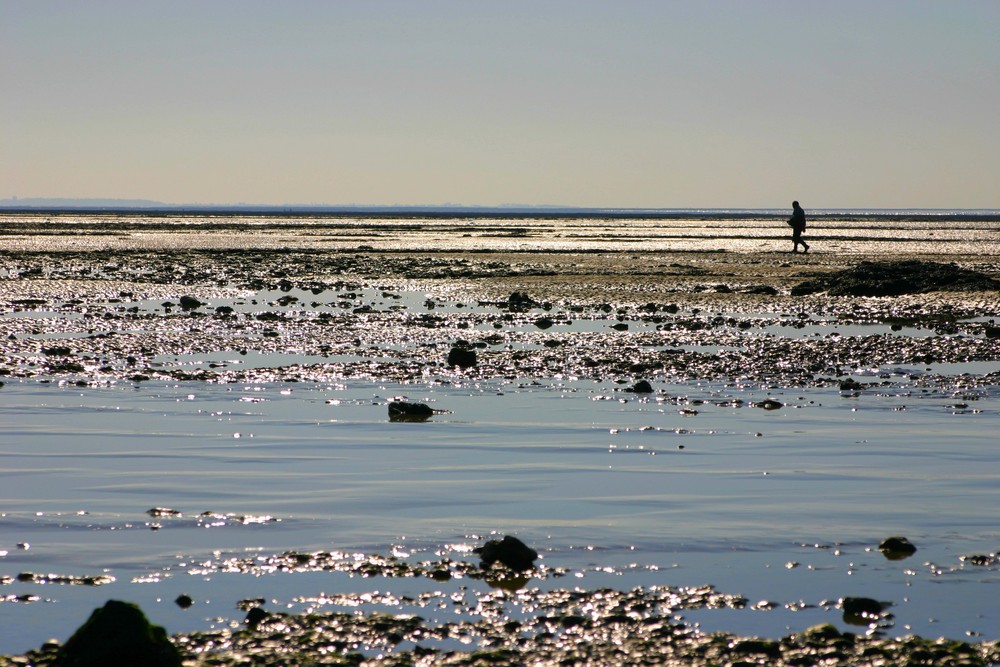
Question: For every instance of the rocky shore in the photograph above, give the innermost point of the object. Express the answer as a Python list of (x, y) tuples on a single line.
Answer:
[(344, 313), (117, 315)]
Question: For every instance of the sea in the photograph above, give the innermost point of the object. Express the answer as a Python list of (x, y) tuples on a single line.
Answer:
[(146, 491)]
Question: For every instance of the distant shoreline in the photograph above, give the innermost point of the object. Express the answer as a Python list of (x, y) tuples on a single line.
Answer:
[(484, 212)]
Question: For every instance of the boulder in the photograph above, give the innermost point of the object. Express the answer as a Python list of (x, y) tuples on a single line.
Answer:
[(509, 551), (189, 302), (401, 411), (119, 635)]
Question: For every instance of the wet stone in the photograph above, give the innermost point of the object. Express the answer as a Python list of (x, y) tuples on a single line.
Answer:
[(119, 635), (640, 387), (462, 357), (509, 551), (897, 548), (401, 411)]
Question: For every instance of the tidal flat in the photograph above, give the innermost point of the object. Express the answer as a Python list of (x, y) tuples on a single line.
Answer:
[(705, 437)]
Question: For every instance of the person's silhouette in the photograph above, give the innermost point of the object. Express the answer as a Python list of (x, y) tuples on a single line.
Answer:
[(798, 225)]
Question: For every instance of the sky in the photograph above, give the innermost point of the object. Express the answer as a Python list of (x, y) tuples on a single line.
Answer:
[(716, 103)]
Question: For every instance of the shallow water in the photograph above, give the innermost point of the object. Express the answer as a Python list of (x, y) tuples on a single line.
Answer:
[(782, 505)]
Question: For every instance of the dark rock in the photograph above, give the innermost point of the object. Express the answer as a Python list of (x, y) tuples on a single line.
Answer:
[(896, 278), (509, 551), (641, 387), (851, 385), (761, 289), (520, 301), (57, 351), (544, 323), (821, 634), (897, 548), (157, 512), (184, 601), (400, 411), (118, 635), (861, 605), (224, 310), (462, 357), (982, 560), (621, 326), (768, 404), (190, 303), (255, 617)]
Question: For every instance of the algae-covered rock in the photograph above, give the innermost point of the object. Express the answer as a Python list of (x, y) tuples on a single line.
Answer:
[(119, 635)]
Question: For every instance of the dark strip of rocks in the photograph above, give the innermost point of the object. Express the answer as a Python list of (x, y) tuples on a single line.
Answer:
[(898, 278)]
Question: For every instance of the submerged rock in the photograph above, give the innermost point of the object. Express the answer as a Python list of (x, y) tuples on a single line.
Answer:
[(509, 551), (401, 411), (119, 635)]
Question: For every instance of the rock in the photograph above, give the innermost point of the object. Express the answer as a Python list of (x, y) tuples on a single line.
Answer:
[(520, 301), (821, 633), (400, 411), (462, 357), (897, 548), (184, 601), (509, 551), (640, 387), (157, 512), (118, 635), (861, 611), (851, 385), (768, 404), (544, 323), (255, 617), (760, 289), (896, 278), (189, 302)]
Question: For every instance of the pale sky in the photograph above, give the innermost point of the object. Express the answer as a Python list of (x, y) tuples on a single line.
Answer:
[(729, 103)]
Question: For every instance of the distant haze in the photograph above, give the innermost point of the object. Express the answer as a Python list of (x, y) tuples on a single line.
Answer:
[(636, 104)]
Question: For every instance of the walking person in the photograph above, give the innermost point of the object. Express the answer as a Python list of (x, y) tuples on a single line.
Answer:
[(798, 225)]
